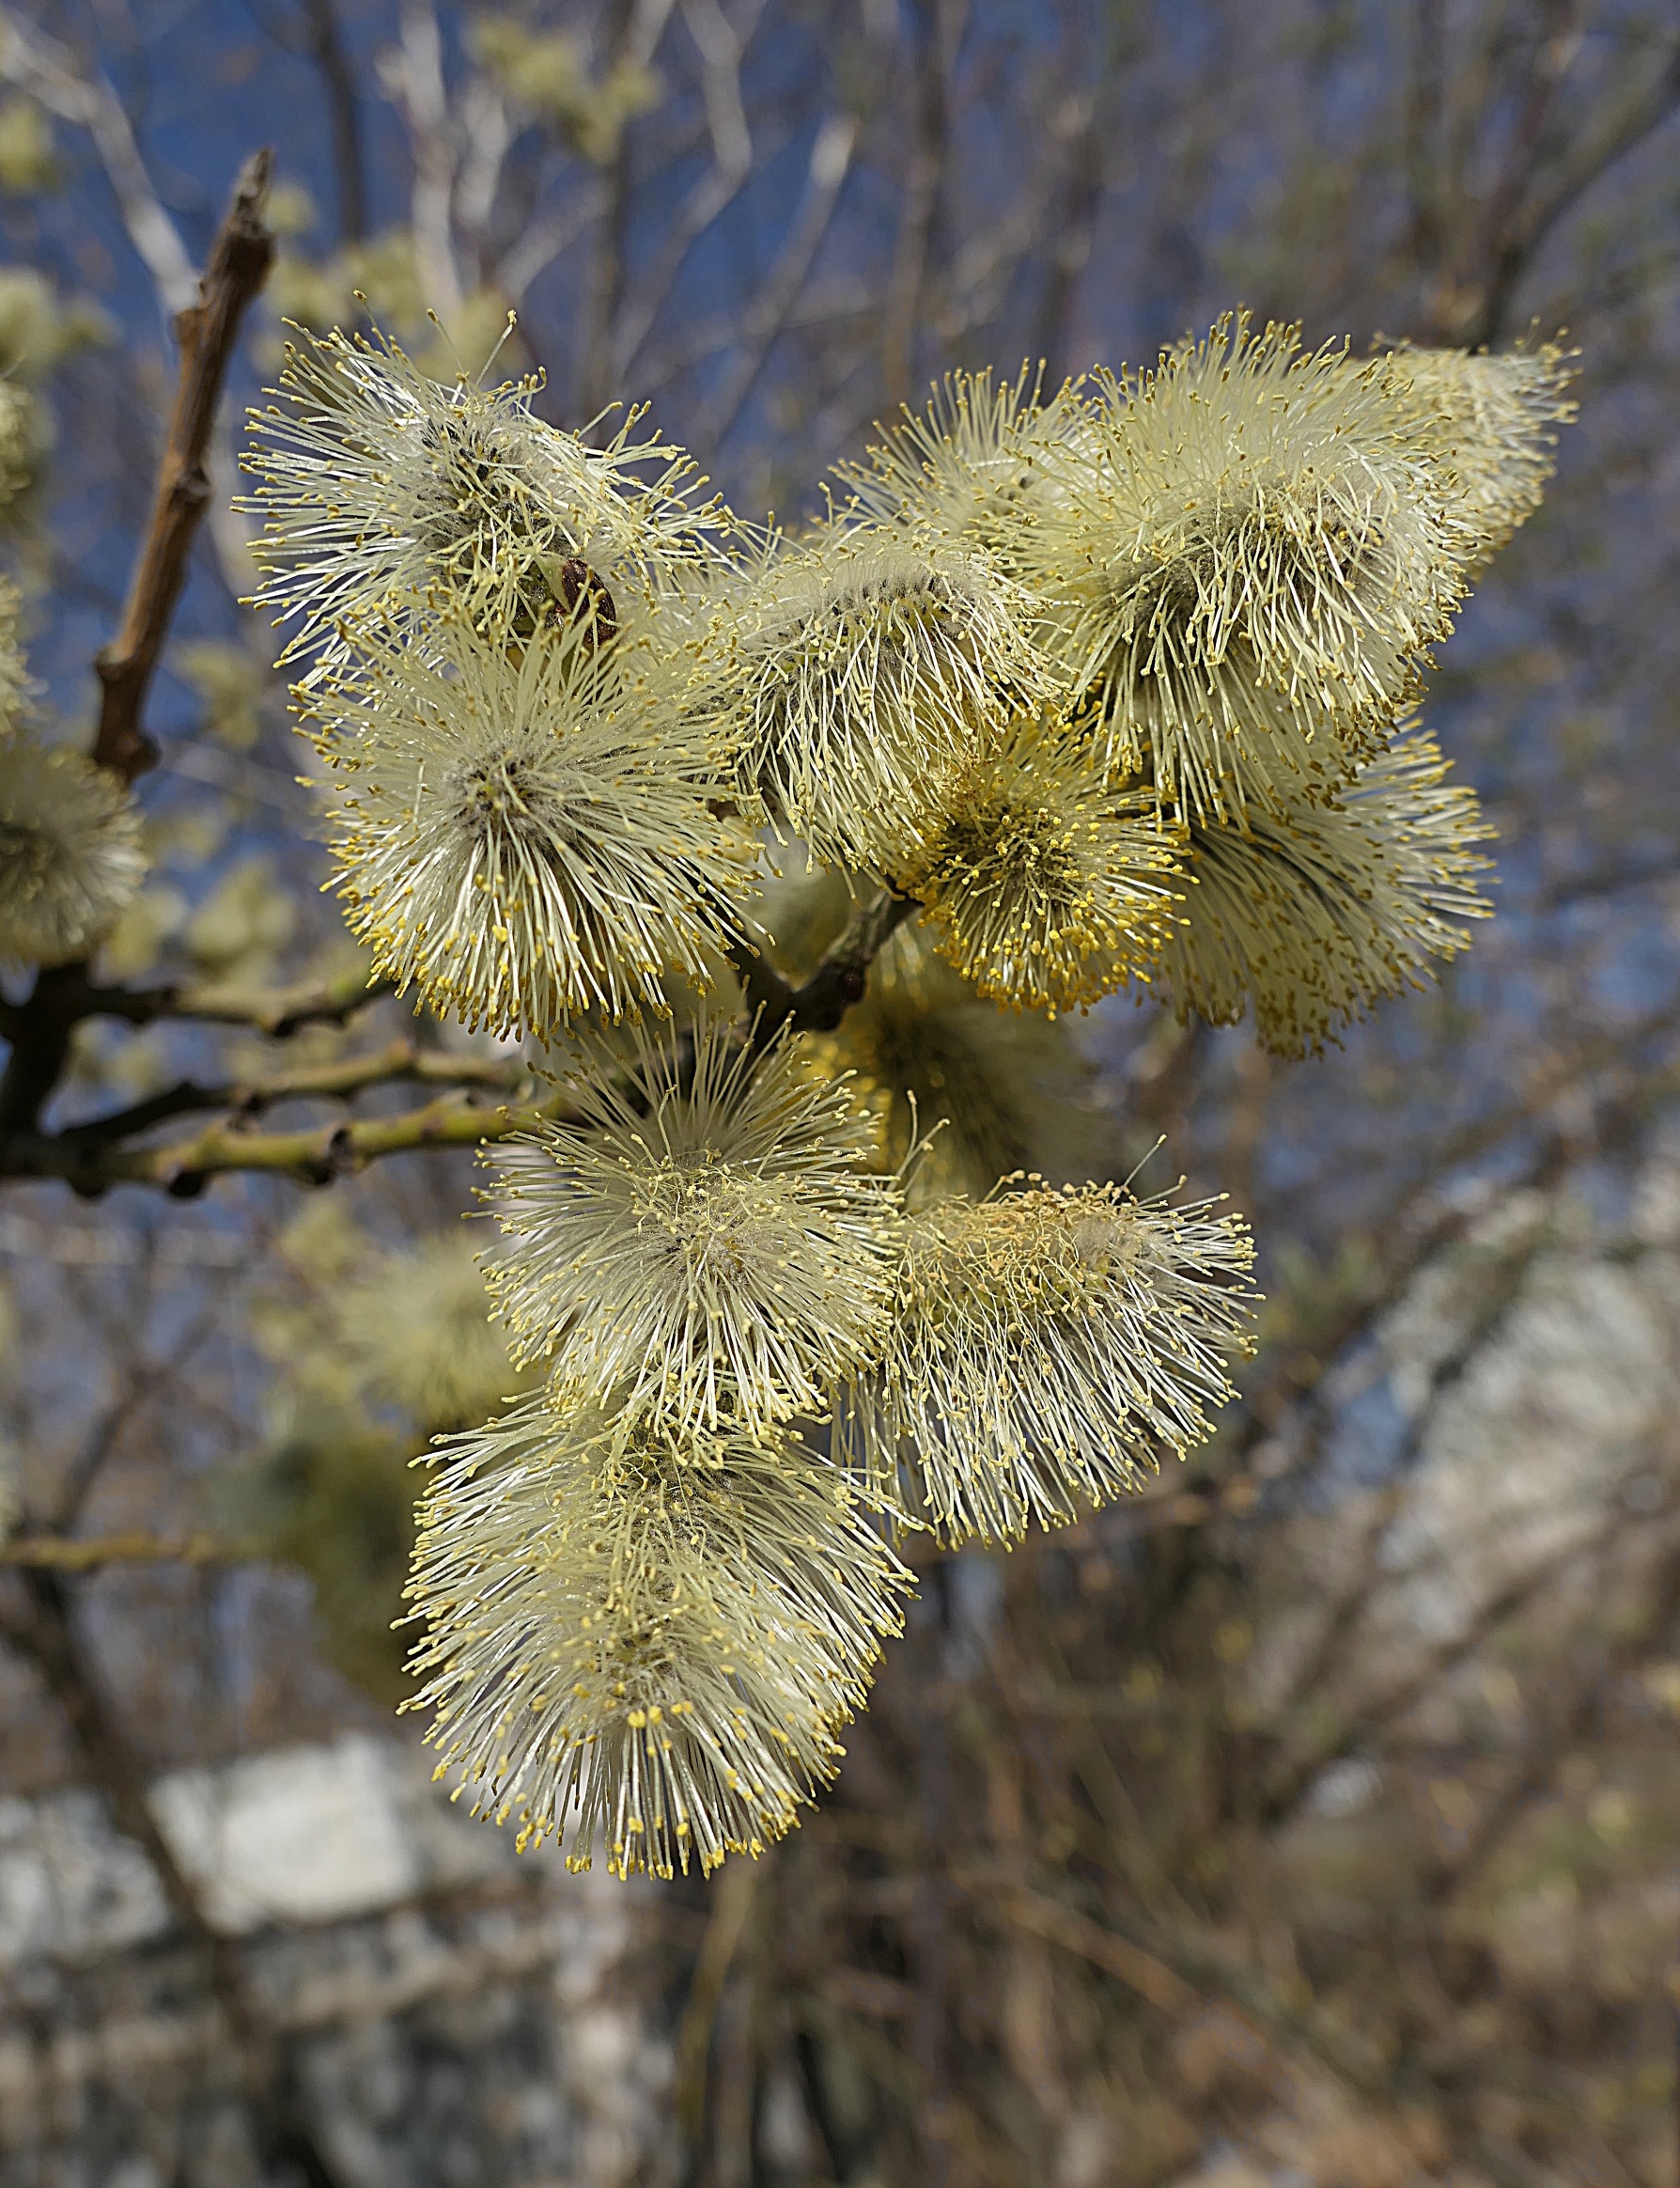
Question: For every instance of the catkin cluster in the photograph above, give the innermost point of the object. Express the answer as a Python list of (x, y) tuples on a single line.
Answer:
[(1117, 687)]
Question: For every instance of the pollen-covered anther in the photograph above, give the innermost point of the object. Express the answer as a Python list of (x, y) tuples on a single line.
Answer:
[(1043, 885)]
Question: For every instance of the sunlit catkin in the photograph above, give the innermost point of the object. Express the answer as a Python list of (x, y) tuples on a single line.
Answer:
[(1256, 554), (703, 1238), (984, 455), (639, 1646), (1501, 414), (70, 854), (1046, 1348), (526, 835), (1045, 886), (860, 666), (380, 487), (1314, 913)]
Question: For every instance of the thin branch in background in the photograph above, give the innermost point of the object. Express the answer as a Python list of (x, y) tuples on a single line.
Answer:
[(412, 73), (46, 71), (332, 64), (1073, 226), (316, 1156), (770, 310), (95, 1552), (720, 46), (928, 156)]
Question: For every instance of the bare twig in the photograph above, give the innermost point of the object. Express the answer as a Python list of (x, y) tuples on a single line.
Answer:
[(46, 69), (731, 1900), (339, 82), (40, 1029), (1177, 1974), (770, 310), (207, 331), (312, 1157), (401, 1061), (918, 218)]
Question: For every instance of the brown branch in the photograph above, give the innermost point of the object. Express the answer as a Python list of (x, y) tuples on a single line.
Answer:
[(838, 982), (731, 1901), (401, 1061), (280, 1012), (919, 216), (1331, 1738), (39, 1030), (238, 265), (1175, 1975), (326, 49)]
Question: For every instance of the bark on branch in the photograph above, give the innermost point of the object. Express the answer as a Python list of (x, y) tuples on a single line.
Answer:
[(315, 1156), (206, 332), (821, 1002)]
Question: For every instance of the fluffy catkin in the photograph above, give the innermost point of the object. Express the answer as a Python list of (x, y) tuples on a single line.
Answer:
[(71, 853), (1255, 547), (703, 1238), (637, 1644), (1045, 1347), (527, 834), (382, 488), (1315, 912)]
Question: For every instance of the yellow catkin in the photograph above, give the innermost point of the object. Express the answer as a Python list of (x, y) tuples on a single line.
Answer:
[(527, 835), (1313, 914), (380, 487), (1044, 886), (1048, 1346), (860, 666), (705, 1237), (1255, 547), (71, 853), (637, 1651)]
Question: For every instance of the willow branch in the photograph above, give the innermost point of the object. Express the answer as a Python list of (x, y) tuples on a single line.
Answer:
[(401, 1061), (39, 1030), (207, 331), (315, 1156), (838, 982)]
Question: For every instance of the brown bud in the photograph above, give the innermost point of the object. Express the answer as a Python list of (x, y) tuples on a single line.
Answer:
[(582, 595)]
